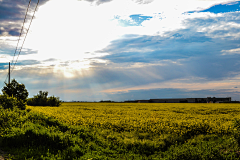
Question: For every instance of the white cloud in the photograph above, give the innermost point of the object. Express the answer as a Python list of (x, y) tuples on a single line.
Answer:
[(231, 51), (69, 30)]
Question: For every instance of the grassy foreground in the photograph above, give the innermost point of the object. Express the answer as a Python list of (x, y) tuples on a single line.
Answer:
[(122, 131)]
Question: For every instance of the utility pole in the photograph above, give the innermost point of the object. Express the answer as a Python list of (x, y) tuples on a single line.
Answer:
[(9, 74)]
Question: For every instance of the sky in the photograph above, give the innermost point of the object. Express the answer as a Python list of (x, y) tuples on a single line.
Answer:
[(92, 50)]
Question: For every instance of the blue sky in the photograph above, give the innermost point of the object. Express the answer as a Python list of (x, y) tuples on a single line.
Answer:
[(92, 50)]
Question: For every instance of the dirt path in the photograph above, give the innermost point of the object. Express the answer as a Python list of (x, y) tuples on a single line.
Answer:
[(2, 153)]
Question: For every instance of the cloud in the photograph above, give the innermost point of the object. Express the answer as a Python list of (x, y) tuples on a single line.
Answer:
[(194, 54), (132, 20), (200, 37), (176, 45), (4, 66), (144, 1), (159, 50), (12, 16), (28, 62), (224, 8), (98, 2), (231, 51), (173, 93)]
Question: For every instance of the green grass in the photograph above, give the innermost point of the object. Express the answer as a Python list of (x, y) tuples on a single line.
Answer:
[(29, 135)]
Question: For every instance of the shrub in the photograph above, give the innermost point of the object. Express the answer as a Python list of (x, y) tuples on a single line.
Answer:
[(41, 99), (21, 104), (8, 102), (54, 101)]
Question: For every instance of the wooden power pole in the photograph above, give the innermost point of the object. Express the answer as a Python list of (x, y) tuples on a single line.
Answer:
[(9, 74)]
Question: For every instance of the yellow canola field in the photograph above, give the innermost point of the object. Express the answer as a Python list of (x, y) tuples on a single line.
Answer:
[(156, 118)]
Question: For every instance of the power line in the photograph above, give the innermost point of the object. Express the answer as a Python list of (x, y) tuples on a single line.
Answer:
[(22, 29), (19, 38), (26, 35)]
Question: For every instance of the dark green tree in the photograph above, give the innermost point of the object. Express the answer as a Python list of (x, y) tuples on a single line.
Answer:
[(18, 91), (41, 98)]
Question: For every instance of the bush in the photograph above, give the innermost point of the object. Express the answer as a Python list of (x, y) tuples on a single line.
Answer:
[(8, 102), (54, 101), (21, 104), (11, 102), (41, 99)]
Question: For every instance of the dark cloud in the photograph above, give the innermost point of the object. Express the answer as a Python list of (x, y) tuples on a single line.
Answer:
[(194, 53), (10, 50), (92, 82), (4, 66), (154, 48), (10, 12), (27, 62), (14, 11), (10, 31), (171, 93), (14, 32), (178, 44)]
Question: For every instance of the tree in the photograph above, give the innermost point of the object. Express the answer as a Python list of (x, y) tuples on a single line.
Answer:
[(41, 99), (18, 91)]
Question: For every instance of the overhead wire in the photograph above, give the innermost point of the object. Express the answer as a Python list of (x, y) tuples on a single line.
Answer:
[(20, 37), (22, 29), (25, 37)]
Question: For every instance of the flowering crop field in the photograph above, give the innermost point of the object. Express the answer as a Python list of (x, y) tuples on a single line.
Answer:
[(155, 118), (167, 131)]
